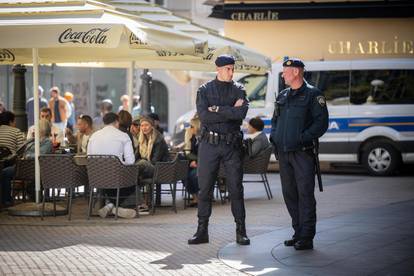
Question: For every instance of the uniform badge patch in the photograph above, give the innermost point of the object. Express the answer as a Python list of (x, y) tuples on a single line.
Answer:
[(321, 100)]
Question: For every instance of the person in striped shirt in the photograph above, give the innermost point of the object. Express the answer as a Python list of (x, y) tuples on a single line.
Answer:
[(10, 136)]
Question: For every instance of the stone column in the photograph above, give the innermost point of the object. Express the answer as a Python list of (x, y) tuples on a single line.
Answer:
[(146, 92), (19, 98)]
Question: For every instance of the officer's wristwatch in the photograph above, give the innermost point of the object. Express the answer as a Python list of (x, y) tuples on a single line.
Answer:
[(214, 108)]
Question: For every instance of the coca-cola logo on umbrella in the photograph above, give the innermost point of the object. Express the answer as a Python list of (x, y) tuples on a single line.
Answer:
[(168, 54), (6, 55), (93, 36), (133, 39)]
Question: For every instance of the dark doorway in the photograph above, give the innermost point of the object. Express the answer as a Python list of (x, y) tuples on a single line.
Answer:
[(159, 100)]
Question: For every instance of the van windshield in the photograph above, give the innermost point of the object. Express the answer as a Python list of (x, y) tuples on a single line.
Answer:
[(256, 86)]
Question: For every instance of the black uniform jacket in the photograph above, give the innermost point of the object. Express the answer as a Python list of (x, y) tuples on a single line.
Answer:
[(224, 95), (300, 117)]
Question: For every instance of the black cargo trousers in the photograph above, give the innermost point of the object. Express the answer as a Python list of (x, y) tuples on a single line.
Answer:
[(209, 158)]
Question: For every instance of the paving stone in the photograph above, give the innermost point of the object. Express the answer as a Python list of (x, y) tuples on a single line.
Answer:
[(157, 245)]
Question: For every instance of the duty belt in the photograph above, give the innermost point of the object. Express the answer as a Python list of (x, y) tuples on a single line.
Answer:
[(215, 137)]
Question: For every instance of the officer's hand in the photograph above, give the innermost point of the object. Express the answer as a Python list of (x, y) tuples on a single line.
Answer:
[(238, 103)]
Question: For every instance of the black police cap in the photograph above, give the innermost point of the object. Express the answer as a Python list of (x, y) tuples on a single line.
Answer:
[(293, 62), (224, 60)]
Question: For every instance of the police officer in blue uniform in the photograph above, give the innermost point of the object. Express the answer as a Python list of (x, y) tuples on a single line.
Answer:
[(221, 106), (299, 119)]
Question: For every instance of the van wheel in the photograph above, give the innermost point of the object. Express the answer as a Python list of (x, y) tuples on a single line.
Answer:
[(380, 158)]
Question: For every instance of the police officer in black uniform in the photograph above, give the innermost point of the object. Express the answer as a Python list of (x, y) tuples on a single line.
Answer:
[(222, 106), (299, 119)]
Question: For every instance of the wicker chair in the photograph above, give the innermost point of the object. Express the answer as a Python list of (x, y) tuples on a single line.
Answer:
[(258, 165), (107, 172), (24, 177), (164, 173), (4, 152), (59, 171)]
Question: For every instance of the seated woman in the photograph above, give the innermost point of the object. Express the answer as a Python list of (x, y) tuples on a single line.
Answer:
[(151, 148), (7, 174), (259, 140), (191, 139)]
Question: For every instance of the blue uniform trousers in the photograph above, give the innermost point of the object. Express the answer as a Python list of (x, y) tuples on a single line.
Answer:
[(297, 173)]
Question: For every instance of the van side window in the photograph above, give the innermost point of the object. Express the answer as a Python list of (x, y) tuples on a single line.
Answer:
[(382, 87), (256, 86), (334, 85)]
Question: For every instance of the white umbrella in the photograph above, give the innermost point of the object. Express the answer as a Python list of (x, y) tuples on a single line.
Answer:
[(247, 60), (78, 28), (85, 24)]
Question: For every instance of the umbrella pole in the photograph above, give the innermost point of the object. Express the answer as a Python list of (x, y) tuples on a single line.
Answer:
[(130, 84), (35, 53)]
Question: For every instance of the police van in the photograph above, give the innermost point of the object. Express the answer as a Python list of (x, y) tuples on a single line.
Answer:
[(370, 103)]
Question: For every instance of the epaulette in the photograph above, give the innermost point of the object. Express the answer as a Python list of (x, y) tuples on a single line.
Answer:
[(205, 85), (284, 91), (238, 85)]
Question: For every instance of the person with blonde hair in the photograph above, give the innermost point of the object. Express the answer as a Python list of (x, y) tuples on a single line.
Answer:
[(151, 147), (124, 103), (71, 108), (45, 131), (191, 139)]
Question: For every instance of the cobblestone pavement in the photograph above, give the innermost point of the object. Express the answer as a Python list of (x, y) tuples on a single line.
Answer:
[(157, 245)]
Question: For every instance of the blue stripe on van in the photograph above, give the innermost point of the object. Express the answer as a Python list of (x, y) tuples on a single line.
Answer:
[(405, 123), (336, 125)]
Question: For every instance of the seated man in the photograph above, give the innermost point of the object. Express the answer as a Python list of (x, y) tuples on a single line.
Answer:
[(10, 136), (85, 130), (259, 139), (111, 141)]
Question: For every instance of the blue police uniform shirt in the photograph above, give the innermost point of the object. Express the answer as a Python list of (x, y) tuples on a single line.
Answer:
[(300, 117)]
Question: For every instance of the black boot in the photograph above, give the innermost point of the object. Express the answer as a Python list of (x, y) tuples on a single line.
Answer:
[(201, 236), (241, 236), (304, 245), (290, 242)]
